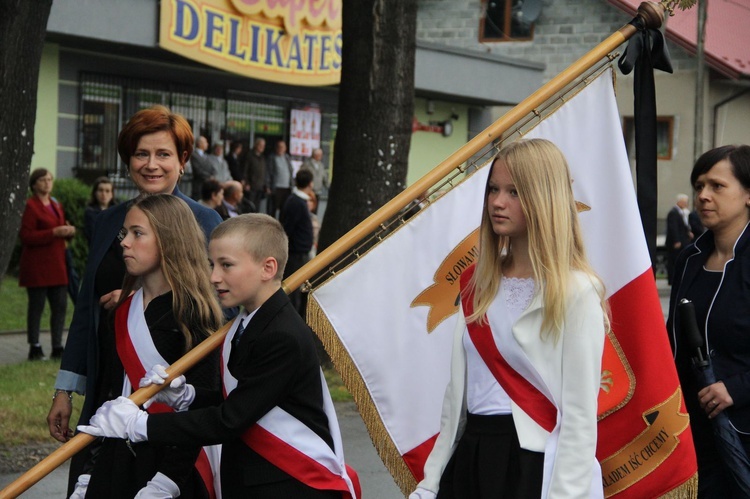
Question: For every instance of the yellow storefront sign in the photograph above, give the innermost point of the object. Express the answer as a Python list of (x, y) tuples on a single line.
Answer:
[(297, 42)]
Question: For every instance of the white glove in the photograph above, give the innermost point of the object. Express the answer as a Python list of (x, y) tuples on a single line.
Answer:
[(421, 493), (81, 486), (178, 395), (159, 487), (119, 418)]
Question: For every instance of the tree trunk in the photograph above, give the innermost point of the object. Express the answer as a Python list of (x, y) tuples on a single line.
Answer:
[(376, 105), (23, 24)]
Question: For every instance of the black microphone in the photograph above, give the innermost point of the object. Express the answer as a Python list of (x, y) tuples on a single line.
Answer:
[(690, 331)]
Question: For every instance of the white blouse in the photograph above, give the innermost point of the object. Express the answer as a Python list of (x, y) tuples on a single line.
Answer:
[(484, 395)]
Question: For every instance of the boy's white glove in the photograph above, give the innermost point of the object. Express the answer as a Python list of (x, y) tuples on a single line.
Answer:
[(421, 493), (159, 487), (178, 395), (119, 418), (81, 486)]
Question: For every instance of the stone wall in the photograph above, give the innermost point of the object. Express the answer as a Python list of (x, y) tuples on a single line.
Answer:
[(565, 31)]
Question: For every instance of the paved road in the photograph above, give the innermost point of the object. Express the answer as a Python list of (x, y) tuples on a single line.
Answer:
[(360, 453)]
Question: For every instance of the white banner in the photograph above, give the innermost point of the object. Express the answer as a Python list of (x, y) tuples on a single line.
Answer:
[(394, 310)]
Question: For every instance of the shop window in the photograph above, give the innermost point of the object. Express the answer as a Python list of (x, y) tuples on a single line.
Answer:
[(247, 120), (108, 101), (503, 21), (100, 111), (664, 136)]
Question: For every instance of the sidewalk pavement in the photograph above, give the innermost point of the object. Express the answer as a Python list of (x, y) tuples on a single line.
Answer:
[(358, 448)]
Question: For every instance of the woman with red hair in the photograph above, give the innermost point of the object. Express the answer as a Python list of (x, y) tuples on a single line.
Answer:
[(155, 144)]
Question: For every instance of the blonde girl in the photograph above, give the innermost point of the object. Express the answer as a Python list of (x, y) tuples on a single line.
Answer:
[(519, 416)]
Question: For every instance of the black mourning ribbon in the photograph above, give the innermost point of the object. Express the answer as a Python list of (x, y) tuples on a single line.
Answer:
[(645, 52)]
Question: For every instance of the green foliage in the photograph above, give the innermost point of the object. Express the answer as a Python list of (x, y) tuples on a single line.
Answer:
[(74, 195), (339, 393)]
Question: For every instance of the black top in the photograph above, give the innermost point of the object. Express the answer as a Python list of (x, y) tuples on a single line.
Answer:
[(116, 472), (297, 224), (727, 322), (701, 292)]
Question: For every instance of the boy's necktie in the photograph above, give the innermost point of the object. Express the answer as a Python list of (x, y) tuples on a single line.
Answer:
[(238, 333)]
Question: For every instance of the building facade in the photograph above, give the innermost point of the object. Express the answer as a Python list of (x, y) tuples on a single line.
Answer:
[(556, 33), (103, 61)]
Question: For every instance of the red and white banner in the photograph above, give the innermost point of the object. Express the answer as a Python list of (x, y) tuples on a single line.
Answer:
[(393, 312)]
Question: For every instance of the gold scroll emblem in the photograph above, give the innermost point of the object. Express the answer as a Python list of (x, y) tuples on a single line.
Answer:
[(647, 451), (442, 296)]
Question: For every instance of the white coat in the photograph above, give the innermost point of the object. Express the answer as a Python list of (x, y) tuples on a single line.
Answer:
[(571, 372)]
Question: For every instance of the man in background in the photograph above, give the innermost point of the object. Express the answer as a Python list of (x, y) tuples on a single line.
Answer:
[(255, 173), (233, 160), (319, 172), (200, 166), (221, 168), (280, 177), (678, 232), (295, 217)]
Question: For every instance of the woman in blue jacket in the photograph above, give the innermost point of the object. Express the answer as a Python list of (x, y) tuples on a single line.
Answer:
[(155, 144), (714, 273)]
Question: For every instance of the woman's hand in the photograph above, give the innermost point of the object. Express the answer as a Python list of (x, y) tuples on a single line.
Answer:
[(109, 300), (714, 399), (64, 231)]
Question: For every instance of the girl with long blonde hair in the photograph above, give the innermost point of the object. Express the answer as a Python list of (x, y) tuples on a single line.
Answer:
[(166, 307), (520, 412)]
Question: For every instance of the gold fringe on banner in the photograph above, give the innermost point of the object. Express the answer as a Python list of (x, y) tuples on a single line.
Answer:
[(688, 490), (392, 459)]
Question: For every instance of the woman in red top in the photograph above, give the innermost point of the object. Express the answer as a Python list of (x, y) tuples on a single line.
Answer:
[(43, 272)]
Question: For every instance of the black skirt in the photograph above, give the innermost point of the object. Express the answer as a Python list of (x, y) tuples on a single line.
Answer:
[(489, 463)]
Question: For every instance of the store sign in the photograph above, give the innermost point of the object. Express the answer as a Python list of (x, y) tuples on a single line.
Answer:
[(297, 42)]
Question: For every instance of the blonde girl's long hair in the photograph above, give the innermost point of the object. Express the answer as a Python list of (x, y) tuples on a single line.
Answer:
[(542, 178), (184, 263)]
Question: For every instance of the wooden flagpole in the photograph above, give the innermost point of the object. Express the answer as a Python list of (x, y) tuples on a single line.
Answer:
[(651, 15), (80, 441)]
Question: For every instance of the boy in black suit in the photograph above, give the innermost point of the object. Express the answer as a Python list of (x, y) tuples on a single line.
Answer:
[(271, 377)]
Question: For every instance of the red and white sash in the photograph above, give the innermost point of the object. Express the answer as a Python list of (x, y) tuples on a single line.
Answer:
[(291, 446), (137, 352), (524, 394), (525, 388)]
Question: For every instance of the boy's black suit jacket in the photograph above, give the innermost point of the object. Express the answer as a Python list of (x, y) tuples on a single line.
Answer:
[(276, 364)]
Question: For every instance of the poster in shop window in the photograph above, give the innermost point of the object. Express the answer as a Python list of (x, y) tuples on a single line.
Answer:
[(304, 132)]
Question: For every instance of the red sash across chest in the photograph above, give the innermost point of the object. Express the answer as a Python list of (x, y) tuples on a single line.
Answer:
[(135, 370), (521, 391), (291, 446)]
